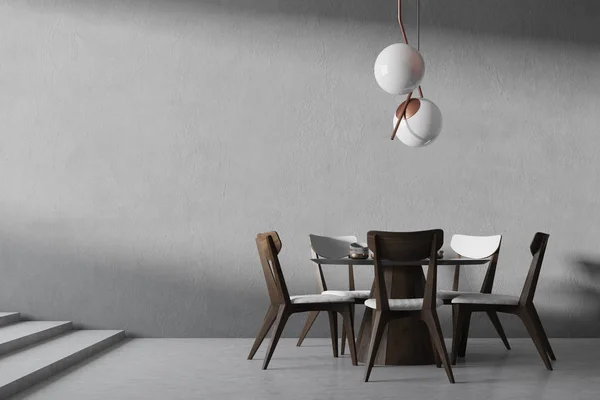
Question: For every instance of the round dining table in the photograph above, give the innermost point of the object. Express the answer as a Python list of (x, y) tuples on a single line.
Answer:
[(405, 341)]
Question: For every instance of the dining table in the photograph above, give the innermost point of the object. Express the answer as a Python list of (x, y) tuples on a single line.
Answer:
[(405, 341)]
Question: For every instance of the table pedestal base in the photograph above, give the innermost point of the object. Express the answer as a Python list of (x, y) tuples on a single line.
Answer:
[(405, 341)]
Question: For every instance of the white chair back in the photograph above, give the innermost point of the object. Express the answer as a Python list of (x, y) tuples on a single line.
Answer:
[(475, 246), (331, 247)]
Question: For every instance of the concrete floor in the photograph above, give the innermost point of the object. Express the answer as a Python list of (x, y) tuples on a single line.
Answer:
[(173, 369)]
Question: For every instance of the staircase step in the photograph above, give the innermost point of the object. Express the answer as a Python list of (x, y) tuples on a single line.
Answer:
[(7, 318), (25, 368), (23, 334)]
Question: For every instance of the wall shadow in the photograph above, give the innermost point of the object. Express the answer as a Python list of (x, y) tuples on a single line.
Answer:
[(98, 288), (199, 298), (583, 290), (555, 21)]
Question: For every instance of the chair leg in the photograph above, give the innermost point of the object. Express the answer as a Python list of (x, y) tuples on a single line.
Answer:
[(264, 329), (462, 349), (379, 322), (538, 322), (454, 331), (454, 315), (462, 316), (344, 335), (493, 316), (333, 328), (348, 320), (343, 349), (528, 319), (310, 320), (437, 337), (282, 317), (368, 316), (436, 355)]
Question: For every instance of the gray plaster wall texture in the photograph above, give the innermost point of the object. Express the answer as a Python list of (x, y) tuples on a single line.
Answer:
[(144, 144)]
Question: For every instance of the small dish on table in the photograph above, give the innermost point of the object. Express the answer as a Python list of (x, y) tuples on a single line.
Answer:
[(359, 251)]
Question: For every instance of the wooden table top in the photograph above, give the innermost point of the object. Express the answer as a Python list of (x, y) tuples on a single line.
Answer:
[(370, 261)]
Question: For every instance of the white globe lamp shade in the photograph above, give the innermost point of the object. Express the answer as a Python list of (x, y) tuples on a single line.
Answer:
[(422, 123), (399, 69)]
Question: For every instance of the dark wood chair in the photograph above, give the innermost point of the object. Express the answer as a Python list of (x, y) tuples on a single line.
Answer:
[(522, 306), (479, 247), (390, 247), (332, 247), (283, 305)]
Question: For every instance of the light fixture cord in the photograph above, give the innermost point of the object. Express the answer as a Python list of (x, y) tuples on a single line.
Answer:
[(403, 31), (418, 25)]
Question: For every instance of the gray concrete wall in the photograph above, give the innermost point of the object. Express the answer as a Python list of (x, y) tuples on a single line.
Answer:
[(144, 143)]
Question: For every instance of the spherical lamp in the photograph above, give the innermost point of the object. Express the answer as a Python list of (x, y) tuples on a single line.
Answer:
[(421, 125), (399, 69)]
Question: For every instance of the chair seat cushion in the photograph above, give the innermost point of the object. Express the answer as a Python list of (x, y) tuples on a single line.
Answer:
[(403, 304), (355, 294), (484, 298), (450, 294), (320, 298)]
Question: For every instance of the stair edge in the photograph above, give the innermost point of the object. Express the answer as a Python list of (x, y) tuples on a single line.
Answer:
[(49, 370), (10, 319), (34, 337)]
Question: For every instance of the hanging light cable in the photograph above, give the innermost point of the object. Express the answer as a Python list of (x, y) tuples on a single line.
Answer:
[(419, 25), (405, 37)]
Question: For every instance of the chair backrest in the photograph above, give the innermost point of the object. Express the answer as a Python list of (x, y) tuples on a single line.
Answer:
[(331, 247), (269, 246), (538, 249), (478, 247), (405, 247), (475, 246)]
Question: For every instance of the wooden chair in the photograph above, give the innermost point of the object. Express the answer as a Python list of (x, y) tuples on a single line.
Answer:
[(332, 247), (522, 306), (283, 305), (406, 247), (478, 247)]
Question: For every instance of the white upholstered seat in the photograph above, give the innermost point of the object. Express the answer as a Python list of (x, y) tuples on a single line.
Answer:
[(484, 298), (450, 294), (403, 304), (320, 298), (355, 294)]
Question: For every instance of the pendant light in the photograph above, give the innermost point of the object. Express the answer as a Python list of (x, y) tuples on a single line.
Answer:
[(421, 124), (399, 69)]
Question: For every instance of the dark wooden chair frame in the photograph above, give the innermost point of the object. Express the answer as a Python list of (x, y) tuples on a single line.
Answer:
[(486, 287), (281, 308), (525, 309), (312, 316), (406, 247)]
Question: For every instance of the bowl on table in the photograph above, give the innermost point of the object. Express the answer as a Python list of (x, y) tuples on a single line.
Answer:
[(359, 251)]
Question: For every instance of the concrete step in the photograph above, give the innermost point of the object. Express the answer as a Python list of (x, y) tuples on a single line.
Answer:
[(22, 334), (7, 318), (23, 369)]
